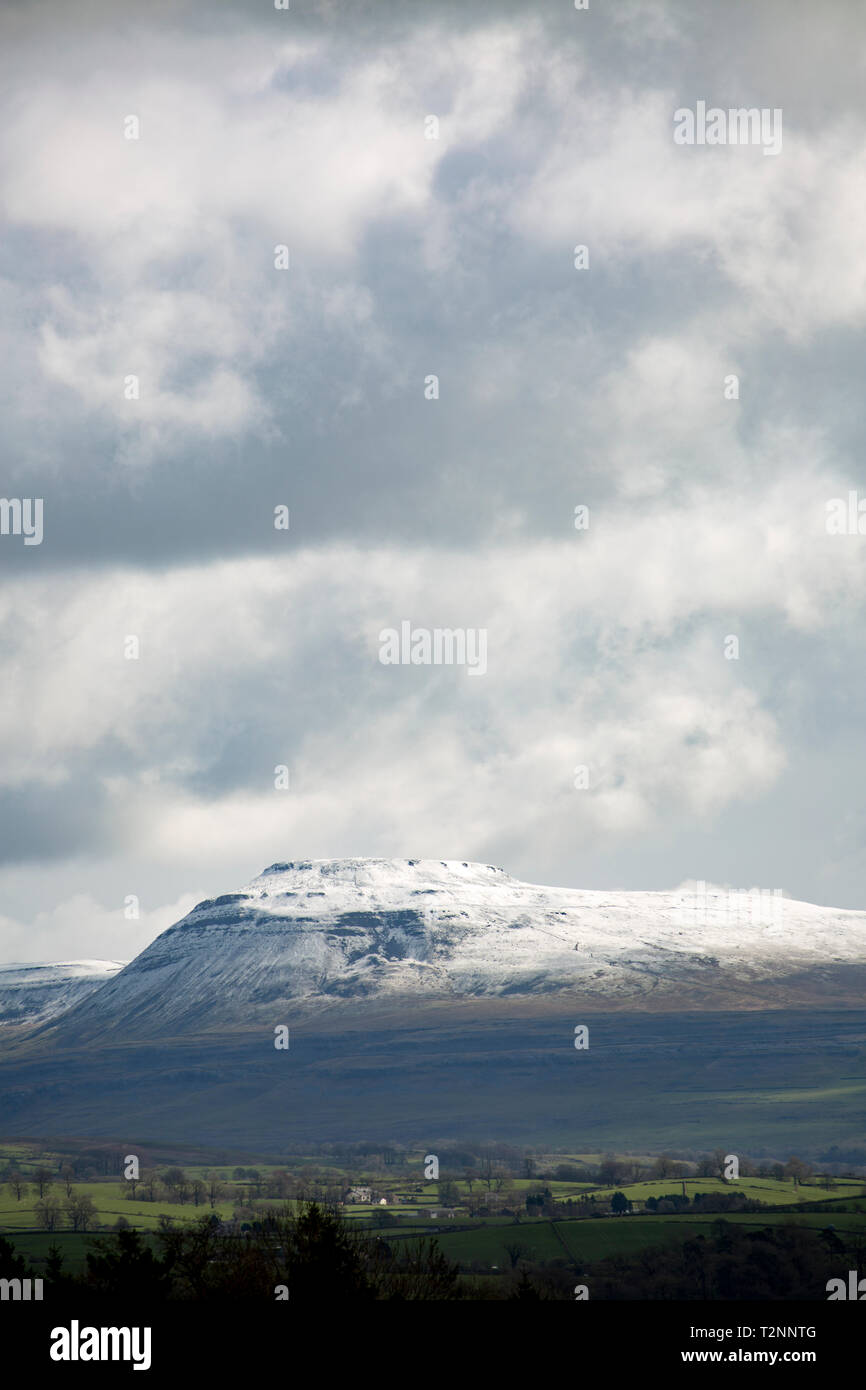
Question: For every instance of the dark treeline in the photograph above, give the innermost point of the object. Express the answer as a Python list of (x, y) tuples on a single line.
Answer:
[(313, 1255), (788, 1262)]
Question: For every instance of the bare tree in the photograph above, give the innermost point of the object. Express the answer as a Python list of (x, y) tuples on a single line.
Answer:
[(177, 1184), (81, 1212), (49, 1213), (487, 1169), (798, 1170), (18, 1185), (43, 1178), (665, 1167), (609, 1171)]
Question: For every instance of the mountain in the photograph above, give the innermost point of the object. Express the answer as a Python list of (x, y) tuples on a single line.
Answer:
[(320, 934), (34, 993), (428, 998)]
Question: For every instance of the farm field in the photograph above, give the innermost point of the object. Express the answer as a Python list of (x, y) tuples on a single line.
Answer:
[(475, 1221), (594, 1239)]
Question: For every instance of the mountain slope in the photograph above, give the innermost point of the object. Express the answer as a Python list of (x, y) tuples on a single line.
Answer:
[(428, 998), (34, 993), (309, 936)]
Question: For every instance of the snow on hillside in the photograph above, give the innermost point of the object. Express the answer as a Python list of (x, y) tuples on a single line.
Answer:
[(317, 930), (33, 993)]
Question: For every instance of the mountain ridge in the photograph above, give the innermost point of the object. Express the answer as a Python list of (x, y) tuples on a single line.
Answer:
[(365, 933)]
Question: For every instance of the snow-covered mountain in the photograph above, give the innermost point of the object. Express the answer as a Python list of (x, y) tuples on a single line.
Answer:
[(33, 993), (333, 932)]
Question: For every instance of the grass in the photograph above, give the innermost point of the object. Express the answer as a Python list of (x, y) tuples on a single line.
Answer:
[(767, 1190), (110, 1204), (596, 1238)]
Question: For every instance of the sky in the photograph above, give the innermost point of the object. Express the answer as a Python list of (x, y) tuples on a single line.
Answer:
[(237, 249)]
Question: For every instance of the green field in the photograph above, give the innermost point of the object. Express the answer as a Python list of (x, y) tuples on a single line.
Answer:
[(593, 1239), (769, 1190), (563, 1231)]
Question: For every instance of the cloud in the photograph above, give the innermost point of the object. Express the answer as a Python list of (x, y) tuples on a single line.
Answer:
[(254, 664), (154, 258), (102, 932)]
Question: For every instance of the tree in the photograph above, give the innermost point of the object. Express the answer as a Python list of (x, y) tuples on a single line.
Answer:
[(609, 1171), (619, 1203), (487, 1169), (12, 1266), (55, 1276), (18, 1185), (283, 1184), (798, 1170), (177, 1184), (325, 1259), (43, 1178), (125, 1266), (420, 1272), (525, 1289), (719, 1157), (49, 1213), (67, 1173), (449, 1194), (81, 1212), (665, 1167)]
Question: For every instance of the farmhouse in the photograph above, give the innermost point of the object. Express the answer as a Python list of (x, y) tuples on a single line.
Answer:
[(358, 1194)]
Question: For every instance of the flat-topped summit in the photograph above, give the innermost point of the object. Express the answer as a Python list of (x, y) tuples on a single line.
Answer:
[(312, 933)]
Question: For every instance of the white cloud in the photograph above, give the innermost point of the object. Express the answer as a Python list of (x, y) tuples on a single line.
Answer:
[(590, 660), (95, 930), (782, 231)]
